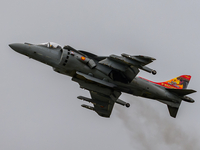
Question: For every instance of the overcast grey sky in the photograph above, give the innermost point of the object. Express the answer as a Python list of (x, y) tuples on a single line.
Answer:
[(38, 107)]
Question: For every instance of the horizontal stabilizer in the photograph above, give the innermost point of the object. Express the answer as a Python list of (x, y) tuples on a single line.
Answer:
[(173, 111), (181, 92)]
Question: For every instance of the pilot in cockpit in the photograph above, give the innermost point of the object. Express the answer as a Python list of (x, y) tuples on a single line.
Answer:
[(51, 45)]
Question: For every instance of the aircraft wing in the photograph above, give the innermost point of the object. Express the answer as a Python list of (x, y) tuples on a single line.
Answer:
[(122, 68), (126, 67), (105, 109), (103, 94), (103, 104)]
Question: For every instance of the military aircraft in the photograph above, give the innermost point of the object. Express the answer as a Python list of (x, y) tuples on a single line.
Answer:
[(106, 77)]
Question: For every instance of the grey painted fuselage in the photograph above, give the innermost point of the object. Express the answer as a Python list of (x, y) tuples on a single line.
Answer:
[(68, 61)]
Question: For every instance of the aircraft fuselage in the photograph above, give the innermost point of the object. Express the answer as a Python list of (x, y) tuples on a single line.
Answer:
[(69, 61)]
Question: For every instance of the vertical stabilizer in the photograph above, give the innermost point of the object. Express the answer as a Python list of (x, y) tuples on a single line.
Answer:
[(180, 82), (173, 111)]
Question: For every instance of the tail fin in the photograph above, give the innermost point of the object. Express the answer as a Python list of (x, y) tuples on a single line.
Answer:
[(178, 87), (180, 82), (173, 111)]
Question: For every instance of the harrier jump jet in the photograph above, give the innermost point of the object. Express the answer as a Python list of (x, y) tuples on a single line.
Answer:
[(106, 77)]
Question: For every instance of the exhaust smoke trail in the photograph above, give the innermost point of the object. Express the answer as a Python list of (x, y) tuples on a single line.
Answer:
[(148, 130)]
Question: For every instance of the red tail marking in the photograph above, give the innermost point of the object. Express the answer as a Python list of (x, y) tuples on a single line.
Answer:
[(180, 82)]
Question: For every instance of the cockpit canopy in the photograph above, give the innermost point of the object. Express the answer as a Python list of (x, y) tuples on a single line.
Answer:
[(50, 45)]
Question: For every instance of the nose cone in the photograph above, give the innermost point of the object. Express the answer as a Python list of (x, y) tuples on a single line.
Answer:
[(18, 47), (21, 48)]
